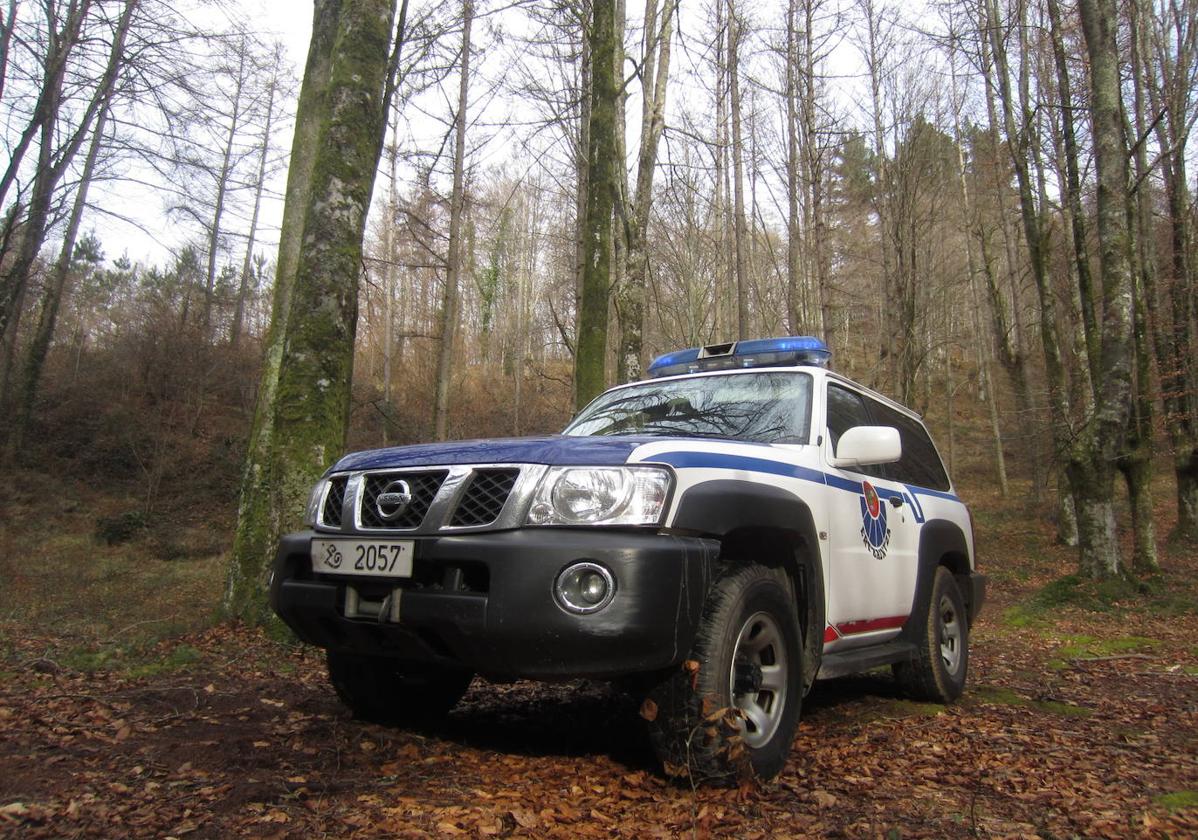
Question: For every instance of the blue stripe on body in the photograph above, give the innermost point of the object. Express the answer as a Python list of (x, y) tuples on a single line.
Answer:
[(722, 461)]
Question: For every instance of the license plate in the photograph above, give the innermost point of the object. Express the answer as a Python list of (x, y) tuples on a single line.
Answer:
[(370, 558)]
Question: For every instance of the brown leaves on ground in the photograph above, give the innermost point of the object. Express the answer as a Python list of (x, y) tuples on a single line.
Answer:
[(253, 743)]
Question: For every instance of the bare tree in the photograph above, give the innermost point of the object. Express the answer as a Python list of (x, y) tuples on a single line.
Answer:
[(740, 243), (449, 305), (654, 71)]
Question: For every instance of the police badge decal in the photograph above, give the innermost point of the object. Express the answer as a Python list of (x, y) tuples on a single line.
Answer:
[(874, 531)]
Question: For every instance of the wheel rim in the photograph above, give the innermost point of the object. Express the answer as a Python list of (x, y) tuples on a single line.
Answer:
[(758, 678), (950, 635)]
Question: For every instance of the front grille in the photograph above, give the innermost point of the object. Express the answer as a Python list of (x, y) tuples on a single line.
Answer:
[(483, 500), (333, 501), (422, 486)]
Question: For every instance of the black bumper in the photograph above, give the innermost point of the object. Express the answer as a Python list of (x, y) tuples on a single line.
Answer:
[(485, 602)]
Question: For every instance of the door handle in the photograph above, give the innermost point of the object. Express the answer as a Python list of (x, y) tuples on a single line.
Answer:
[(896, 501)]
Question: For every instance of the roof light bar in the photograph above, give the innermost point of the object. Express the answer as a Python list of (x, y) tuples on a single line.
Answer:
[(754, 353)]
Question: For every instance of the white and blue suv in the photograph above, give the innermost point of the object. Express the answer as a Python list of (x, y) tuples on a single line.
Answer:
[(719, 536)]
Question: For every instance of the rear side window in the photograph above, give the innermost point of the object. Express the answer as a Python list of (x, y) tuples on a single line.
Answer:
[(920, 464)]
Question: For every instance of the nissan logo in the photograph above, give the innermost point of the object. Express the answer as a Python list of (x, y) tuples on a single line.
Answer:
[(394, 500)]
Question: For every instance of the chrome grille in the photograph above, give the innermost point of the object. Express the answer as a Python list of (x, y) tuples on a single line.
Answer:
[(333, 501), (423, 487), (484, 498)]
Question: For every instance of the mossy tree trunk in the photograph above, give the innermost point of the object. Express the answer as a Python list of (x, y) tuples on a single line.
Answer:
[(303, 402), (1136, 464), (590, 355), (1093, 453)]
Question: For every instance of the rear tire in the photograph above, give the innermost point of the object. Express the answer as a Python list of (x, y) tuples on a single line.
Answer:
[(384, 690), (730, 712), (937, 674)]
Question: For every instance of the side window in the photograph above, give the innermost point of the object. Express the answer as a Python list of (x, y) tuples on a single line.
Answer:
[(846, 409), (920, 464)]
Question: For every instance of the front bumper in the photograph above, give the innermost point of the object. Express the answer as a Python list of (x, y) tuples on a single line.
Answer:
[(485, 601)]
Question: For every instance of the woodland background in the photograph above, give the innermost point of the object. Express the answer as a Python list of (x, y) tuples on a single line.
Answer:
[(928, 188)]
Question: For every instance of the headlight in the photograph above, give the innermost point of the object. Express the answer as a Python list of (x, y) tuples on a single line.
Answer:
[(600, 496), (315, 500)]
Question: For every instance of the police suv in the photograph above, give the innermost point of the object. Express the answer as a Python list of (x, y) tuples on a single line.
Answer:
[(718, 536)]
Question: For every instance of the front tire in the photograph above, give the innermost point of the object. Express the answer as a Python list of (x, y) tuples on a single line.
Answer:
[(937, 674), (384, 690), (731, 711)]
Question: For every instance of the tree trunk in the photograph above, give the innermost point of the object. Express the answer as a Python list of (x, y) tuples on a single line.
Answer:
[(53, 163), (259, 188), (60, 44), (222, 189), (814, 168), (1170, 90), (874, 59), (738, 187), (985, 380), (303, 401), (655, 71), (1073, 191), (1097, 445), (1019, 141), (7, 25), (449, 303), (582, 153), (590, 357), (1136, 463), (794, 309), (39, 345)]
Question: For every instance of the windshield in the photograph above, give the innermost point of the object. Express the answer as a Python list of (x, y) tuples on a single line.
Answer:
[(767, 407)]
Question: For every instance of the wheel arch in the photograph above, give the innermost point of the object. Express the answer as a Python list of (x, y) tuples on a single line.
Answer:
[(770, 526), (941, 543)]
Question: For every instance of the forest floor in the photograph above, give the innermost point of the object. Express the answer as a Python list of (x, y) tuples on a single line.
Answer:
[(124, 711)]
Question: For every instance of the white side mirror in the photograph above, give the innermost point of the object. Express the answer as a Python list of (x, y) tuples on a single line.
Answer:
[(862, 445)]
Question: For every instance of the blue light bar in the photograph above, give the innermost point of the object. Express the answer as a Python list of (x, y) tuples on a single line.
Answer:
[(755, 353)]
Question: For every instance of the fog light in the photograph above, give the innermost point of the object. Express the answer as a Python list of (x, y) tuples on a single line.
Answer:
[(584, 588)]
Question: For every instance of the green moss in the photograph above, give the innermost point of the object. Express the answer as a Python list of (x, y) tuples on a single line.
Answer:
[(89, 659), (1177, 800), (998, 695), (1088, 647), (1022, 616), (177, 660), (1002, 696)]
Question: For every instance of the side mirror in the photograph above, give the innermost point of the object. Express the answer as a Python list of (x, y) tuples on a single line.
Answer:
[(862, 445)]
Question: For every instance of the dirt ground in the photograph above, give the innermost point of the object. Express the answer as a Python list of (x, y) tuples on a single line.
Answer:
[(1080, 720)]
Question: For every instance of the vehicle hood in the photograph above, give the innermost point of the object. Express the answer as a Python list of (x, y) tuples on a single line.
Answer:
[(557, 450)]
